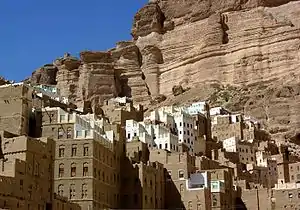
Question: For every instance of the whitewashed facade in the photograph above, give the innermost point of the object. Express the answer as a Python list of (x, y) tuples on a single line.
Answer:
[(200, 107), (154, 135), (230, 144), (87, 126)]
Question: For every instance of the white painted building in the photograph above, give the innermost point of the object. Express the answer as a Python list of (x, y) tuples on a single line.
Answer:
[(186, 131), (137, 131), (197, 108), (164, 139), (230, 144), (154, 135), (218, 111), (180, 123)]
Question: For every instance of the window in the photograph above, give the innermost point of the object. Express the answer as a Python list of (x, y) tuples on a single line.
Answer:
[(159, 146), (60, 133), (215, 200), (78, 133), (184, 124), (128, 136), (62, 118), (198, 205), (169, 175), (61, 170), (84, 189), (181, 174), (181, 189), (290, 195), (180, 124), (188, 132), (69, 133), (190, 205), (60, 190), (61, 151), (72, 191), (70, 117), (74, 150), (85, 169), (166, 145), (292, 177), (21, 184), (146, 199), (73, 170), (85, 150)]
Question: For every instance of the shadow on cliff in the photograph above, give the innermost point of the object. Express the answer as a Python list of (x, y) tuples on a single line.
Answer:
[(121, 81)]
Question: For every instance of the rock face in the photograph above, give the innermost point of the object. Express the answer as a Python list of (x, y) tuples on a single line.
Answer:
[(45, 75), (253, 46), (127, 63), (68, 76), (98, 76), (237, 47)]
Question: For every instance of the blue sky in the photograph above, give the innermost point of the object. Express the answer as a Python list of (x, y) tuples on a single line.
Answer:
[(35, 32)]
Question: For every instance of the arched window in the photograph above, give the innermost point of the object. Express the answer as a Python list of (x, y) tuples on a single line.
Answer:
[(198, 205), (74, 150), (190, 205), (73, 170), (60, 189), (85, 169), (84, 189), (85, 149), (181, 174), (61, 170), (181, 189), (72, 191), (60, 133), (69, 133), (61, 151)]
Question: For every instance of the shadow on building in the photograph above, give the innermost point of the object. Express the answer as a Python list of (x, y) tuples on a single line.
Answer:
[(173, 196)]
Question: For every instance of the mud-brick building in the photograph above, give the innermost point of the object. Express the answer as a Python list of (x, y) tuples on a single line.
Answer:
[(143, 184), (87, 158)]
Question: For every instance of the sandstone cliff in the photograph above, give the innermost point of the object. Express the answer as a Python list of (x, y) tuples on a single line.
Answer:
[(250, 48)]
